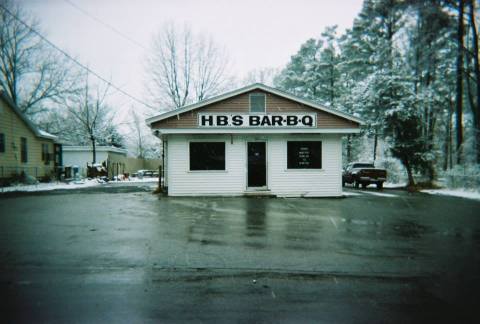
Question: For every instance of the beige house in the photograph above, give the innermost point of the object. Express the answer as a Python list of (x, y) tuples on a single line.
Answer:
[(23, 147)]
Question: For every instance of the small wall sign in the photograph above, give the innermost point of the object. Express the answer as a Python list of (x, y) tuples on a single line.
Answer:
[(258, 121)]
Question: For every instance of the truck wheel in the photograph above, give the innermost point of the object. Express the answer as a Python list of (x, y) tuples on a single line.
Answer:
[(379, 185), (357, 184)]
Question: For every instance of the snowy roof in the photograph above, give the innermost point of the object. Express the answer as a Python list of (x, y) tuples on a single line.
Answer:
[(75, 148), (255, 86), (46, 134), (38, 132)]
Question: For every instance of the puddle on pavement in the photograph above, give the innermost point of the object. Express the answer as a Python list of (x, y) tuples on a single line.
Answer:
[(409, 229)]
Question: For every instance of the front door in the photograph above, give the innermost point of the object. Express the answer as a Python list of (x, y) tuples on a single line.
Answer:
[(257, 164)]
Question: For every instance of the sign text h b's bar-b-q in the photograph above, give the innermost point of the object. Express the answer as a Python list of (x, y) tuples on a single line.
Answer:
[(246, 120)]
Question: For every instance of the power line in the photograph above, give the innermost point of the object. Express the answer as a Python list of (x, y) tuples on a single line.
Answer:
[(98, 20), (86, 68)]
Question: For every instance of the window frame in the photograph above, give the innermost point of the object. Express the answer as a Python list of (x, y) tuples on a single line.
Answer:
[(288, 168), (264, 101), (2, 143), (45, 153), (189, 169), (23, 150)]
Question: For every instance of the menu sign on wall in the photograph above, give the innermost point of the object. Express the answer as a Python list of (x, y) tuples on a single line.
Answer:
[(304, 154), (246, 120)]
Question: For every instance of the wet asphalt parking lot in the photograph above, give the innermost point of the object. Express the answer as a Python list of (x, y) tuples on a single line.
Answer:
[(124, 255)]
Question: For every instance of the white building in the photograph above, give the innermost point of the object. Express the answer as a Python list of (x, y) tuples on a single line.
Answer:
[(82, 155), (256, 139)]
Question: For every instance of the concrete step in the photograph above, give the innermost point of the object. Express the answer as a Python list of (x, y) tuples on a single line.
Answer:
[(263, 193)]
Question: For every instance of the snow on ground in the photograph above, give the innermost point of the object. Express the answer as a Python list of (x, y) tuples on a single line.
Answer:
[(350, 194), (469, 194), (71, 185), (380, 194), (51, 186), (390, 185), (134, 180)]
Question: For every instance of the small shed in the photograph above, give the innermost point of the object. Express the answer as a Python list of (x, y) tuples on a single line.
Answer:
[(113, 158)]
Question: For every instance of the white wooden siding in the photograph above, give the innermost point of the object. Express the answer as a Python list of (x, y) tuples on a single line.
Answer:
[(285, 182), (183, 182), (232, 181)]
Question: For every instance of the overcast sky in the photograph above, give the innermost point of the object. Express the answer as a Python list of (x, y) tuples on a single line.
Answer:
[(255, 33)]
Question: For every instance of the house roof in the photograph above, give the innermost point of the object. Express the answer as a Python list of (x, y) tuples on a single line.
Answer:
[(38, 132), (76, 148), (255, 86)]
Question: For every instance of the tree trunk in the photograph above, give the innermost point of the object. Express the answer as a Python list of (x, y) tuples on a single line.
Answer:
[(476, 69), (332, 83), (411, 180), (445, 147), (94, 152), (375, 144), (450, 135), (447, 163), (349, 148), (459, 94)]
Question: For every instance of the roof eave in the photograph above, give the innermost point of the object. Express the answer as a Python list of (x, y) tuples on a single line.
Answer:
[(22, 116)]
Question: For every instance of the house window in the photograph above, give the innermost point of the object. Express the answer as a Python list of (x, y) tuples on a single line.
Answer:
[(2, 143), (257, 103), (23, 150), (207, 156), (304, 155), (45, 155)]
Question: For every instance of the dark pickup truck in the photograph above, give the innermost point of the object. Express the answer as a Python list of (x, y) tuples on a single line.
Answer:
[(363, 174)]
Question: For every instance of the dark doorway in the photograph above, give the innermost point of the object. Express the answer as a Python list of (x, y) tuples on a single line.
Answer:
[(257, 164)]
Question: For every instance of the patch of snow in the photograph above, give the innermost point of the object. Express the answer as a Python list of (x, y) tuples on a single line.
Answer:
[(135, 180), (351, 194), (390, 185), (51, 186), (454, 192), (73, 185), (46, 134), (380, 194)]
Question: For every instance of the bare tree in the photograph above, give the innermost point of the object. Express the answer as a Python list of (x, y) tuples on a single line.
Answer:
[(262, 75), (87, 119), (184, 67), (30, 73), (137, 134), (87, 111), (139, 138)]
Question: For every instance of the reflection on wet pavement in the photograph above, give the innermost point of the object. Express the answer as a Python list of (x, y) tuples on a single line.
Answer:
[(413, 246)]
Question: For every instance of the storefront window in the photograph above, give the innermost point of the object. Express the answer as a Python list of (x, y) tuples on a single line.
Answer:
[(304, 155), (207, 156)]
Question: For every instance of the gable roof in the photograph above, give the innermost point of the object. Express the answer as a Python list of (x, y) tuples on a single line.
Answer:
[(255, 86), (38, 132)]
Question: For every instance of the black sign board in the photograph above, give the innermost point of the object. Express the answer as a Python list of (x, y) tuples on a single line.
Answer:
[(304, 155)]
